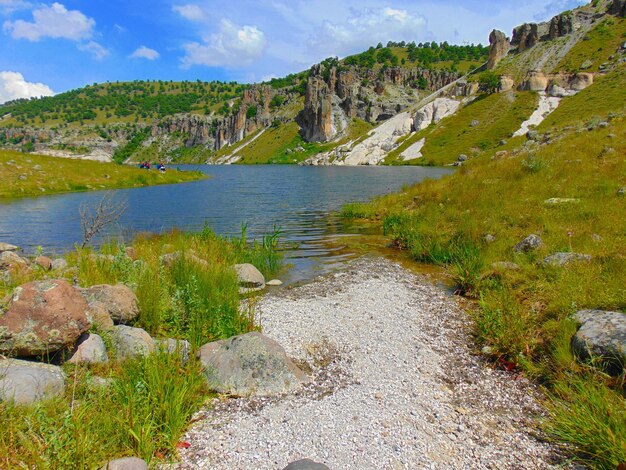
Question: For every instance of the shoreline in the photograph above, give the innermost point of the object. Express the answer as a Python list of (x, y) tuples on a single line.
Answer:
[(395, 385)]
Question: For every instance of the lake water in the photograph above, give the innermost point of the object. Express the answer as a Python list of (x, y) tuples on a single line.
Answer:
[(299, 200)]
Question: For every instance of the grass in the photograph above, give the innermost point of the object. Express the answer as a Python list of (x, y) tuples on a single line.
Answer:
[(147, 407), (596, 47), (498, 116), (524, 314), (35, 175)]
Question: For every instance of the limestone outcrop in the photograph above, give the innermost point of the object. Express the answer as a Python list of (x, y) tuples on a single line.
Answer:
[(525, 36), (498, 48)]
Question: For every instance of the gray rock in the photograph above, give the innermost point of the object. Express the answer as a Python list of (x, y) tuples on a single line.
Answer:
[(275, 282), (621, 191), (173, 346), (602, 335), (8, 260), (555, 201), (532, 135), (306, 464), (249, 364), (127, 463), (249, 277), (119, 300), (489, 238), (90, 349), (562, 259), (474, 123), (129, 342), (531, 242), (59, 264), (462, 158), (25, 382), (7, 247)]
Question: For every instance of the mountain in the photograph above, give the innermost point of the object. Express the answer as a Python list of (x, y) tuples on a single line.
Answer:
[(383, 106)]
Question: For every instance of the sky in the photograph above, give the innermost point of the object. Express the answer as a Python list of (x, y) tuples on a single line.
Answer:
[(50, 47)]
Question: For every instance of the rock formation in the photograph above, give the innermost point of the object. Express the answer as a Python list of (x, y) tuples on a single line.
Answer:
[(561, 25), (618, 8), (498, 48), (525, 36)]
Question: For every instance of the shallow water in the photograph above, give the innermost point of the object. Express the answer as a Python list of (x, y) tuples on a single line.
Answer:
[(299, 200)]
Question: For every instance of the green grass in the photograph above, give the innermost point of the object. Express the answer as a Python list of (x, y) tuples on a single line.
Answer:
[(596, 46), (147, 408), (523, 314), (35, 175), (498, 116)]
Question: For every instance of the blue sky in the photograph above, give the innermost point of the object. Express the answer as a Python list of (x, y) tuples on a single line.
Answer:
[(50, 47)]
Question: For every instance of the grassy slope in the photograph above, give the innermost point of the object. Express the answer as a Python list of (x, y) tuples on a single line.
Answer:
[(523, 314), (48, 175), (498, 116), (598, 44)]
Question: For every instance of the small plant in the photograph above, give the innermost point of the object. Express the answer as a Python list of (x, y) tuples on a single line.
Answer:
[(533, 164)]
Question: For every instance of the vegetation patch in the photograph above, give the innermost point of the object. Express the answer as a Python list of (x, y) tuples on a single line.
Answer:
[(35, 175)]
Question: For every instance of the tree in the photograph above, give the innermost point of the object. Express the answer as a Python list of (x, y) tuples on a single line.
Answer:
[(94, 220), (489, 81)]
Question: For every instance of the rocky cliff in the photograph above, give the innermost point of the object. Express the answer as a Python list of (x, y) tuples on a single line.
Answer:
[(334, 95)]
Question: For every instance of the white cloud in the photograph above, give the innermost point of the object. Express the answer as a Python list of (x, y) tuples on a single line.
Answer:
[(9, 6), (232, 46), (190, 12), (98, 51), (54, 21), (14, 86), (144, 52), (364, 28)]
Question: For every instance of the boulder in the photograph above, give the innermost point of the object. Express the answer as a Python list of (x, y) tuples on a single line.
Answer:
[(580, 81), (126, 463), (498, 48), (525, 36), (506, 83), (25, 382), (43, 317), (535, 81), (99, 316), (562, 259), (129, 342), (10, 260), (44, 263), (249, 364), (249, 277), (7, 247), (306, 464), (90, 349), (531, 242), (119, 300), (174, 346), (59, 264), (602, 335)]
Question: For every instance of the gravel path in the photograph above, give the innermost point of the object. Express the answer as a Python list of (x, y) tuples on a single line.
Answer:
[(395, 385)]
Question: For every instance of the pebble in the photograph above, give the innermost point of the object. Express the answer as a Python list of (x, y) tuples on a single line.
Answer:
[(375, 331)]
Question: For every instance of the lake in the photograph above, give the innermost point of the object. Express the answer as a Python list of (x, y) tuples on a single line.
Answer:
[(300, 200)]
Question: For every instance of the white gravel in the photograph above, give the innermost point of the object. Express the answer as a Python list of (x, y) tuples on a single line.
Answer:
[(395, 385)]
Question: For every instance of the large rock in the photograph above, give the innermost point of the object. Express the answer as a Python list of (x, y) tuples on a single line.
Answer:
[(129, 342), (119, 300), (525, 36), (90, 349), (580, 81), (498, 48), (618, 8), (564, 258), (316, 119), (99, 316), (126, 463), (59, 264), (531, 242), (561, 25), (306, 464), (535, 81), (10, 260), (602, 335), (44, 263), (43, 317), (249, 277), (506, 83), (250, 364), (25, 382), (7, 247)]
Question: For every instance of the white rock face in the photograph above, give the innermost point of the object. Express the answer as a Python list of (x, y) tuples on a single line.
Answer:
[(434, 112), (381, 141), (546, 105), (414, 151)]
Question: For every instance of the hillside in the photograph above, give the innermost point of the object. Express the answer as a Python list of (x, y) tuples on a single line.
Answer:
[(195, 121)]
